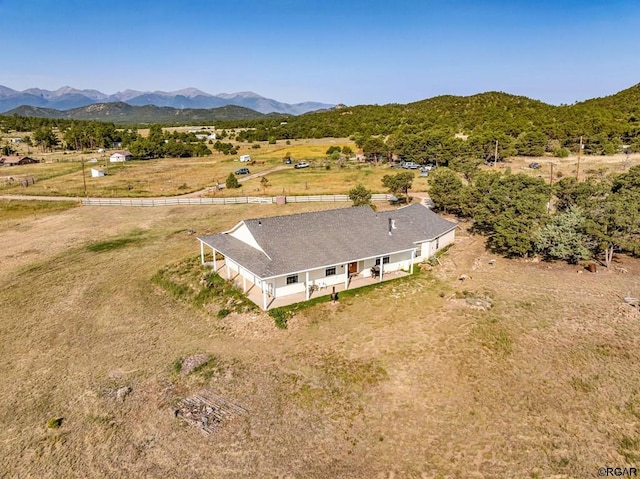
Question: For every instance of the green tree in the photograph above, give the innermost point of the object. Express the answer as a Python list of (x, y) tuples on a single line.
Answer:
[(563, 237), (531, 143), (360, 195), (7, 150), (45, 138), (466, 165), (399, 183), (331, 149), (614, 223), (447, 190), (509, 210), (232, 181), (335, 155), (347, 151), (374, 148)]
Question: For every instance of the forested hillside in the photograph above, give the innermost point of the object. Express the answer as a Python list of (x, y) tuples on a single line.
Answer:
[(444, 127), (441, 129)]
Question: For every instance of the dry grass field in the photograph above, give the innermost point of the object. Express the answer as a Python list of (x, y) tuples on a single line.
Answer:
[(61, 174), (407, 380), (590, 166)]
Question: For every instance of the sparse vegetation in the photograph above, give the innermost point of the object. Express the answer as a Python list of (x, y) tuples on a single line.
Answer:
[(136, 237), (370, 376), (184, 281)]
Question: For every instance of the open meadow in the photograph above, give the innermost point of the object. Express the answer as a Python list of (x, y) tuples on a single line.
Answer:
[(523, 370), (61, 174)]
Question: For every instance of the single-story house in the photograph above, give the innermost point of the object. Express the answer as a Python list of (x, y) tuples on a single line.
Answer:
[(286, 255), (17, 160), (97, 172), (120, 156), (208, 136)]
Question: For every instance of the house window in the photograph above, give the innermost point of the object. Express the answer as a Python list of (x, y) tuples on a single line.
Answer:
[(437, 243), (330, 271), (293, 279), (385, 260), (419, 249)]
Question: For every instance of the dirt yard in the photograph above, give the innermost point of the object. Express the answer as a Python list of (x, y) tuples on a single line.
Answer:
[(523, 369)]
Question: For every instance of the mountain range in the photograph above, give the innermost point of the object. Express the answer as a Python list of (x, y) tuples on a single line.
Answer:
[(124, 114), (67, 98)]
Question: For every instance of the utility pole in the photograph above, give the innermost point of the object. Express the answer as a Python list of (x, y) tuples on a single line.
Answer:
[(495, 155), (84, 178), (579, 155), (550, 189)]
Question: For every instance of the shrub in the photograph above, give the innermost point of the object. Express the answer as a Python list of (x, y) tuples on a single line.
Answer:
[(54, 422), (280, 317)]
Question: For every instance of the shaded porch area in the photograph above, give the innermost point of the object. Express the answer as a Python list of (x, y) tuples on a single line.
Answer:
[(254, 293)]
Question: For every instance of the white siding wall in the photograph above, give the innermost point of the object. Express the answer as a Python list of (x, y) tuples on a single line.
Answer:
[(284, 289), (397, 262), (117, 157), (232, 265), (439, 243), (316, 277)]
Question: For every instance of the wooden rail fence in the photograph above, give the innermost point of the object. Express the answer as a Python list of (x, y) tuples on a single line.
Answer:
[(220, 201)]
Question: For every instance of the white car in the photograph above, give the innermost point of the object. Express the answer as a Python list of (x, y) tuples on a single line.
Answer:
[(302, 164)]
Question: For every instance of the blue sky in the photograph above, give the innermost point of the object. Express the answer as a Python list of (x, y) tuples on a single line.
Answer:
[(353, 52)]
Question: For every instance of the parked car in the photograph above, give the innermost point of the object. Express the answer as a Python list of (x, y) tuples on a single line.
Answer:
[(534, 165), (243, 171), (410, 165), (302, 164)]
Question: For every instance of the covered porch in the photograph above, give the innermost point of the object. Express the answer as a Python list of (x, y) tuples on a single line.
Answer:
[(255, 294)]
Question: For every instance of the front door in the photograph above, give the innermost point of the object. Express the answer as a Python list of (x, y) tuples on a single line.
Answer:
[(353, 268)]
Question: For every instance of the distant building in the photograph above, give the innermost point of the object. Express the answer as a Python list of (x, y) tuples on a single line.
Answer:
[(16, 140), (120, 156), (245, 158), (97, 172)]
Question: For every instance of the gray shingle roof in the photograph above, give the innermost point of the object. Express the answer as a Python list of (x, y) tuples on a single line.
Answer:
[(304, 241)]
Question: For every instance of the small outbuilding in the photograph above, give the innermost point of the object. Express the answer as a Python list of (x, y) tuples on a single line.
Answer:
[(120, 156), (97, 172)]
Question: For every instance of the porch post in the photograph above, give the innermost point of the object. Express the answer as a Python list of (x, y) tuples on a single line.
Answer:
[(264, 297), (413, 257), (201, 253), (306, 285), (215, 268), (381, 269), (346, 276), (244, 280), (226, 266)]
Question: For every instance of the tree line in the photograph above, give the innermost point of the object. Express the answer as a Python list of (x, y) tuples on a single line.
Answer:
[(523, 216), (77, 135)]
